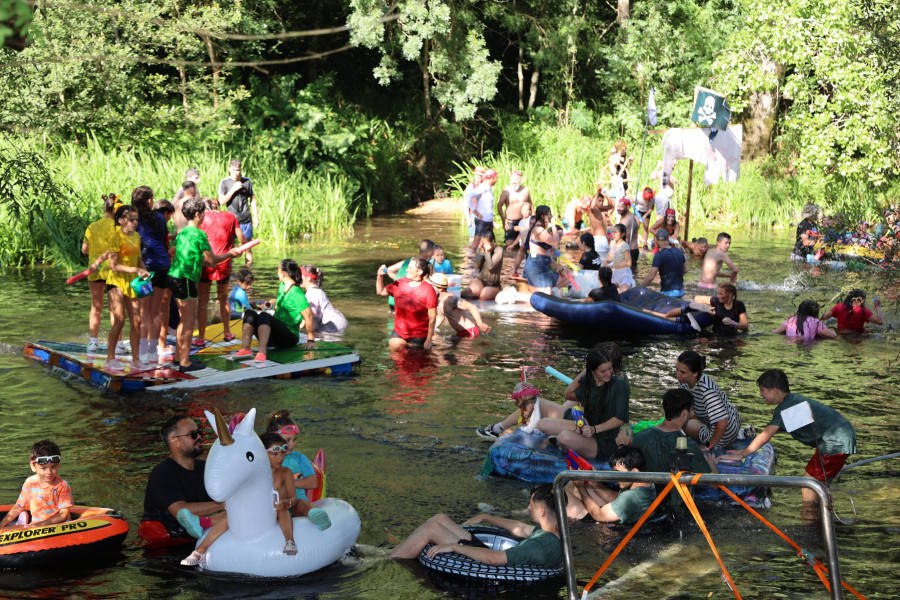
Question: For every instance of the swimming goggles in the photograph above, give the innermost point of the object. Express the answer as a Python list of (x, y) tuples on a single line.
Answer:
[(43, 460), (289, 430), (277, 449)]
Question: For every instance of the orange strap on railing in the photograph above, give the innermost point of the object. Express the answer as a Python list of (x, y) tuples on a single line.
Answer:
[(820, 569), (692, 507), (631, 533)]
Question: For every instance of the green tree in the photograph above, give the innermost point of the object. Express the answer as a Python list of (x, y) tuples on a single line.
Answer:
[(838, 103)]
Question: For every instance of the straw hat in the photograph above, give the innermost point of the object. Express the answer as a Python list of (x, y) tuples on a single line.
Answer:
[(438, 279), (810, 210)]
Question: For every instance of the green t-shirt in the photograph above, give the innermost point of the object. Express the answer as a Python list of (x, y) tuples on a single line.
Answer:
[(830, 430), (541, 548), (656, 445), (632, 503), (601, 404), (289, 306), (190, 245)]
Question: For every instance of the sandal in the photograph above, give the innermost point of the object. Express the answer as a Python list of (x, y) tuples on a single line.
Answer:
[(193, 558), (290, 548)]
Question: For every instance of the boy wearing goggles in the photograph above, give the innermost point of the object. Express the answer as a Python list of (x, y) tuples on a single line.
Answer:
[(45, 494)]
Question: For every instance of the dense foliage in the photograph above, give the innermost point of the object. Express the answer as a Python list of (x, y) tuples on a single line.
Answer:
[(383, 102)]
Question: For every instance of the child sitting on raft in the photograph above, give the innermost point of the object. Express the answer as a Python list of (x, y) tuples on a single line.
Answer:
[(463, 316), (531, 408), (283, 485), (45, 495), (302, 472), (607, 291), (806, 324), (594, 502)]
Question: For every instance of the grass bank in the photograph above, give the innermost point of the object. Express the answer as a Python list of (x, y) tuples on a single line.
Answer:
[(51, 192), (562, 163)]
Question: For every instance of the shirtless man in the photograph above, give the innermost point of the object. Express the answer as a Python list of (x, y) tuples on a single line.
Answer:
[(600, 205), (509, 207), (632, 226), (189, 189), (698, 246), (456, 311), (712, 263)]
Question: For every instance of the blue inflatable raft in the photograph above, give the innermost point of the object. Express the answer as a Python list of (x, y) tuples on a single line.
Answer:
[(530, 457), (625, 317)]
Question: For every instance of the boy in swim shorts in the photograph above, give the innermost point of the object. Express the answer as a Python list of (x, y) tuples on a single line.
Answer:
[(456, 311), (712, 263), (832, 435), (192, 251), (45, 495)]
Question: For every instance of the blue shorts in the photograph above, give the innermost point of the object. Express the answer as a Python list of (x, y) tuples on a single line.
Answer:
[(538, 272), (673, 293), (247, 228)]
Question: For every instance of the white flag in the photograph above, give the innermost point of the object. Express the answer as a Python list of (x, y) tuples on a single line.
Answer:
[(651, 108)]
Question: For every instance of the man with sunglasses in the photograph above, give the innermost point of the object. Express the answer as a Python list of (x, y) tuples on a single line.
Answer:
[(176, 496), (45, 494)]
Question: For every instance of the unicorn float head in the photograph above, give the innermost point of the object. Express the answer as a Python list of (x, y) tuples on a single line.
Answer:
[(238, 473)]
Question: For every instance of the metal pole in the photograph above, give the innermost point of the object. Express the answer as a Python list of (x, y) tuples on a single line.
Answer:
[(637, 187), (568, 561), (712, 480), (687, 208)]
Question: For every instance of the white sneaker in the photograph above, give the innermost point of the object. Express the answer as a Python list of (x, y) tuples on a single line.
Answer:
[(149, 358), (113, 365), (93, 347), (693, 322), (139, 365), (121, 348)]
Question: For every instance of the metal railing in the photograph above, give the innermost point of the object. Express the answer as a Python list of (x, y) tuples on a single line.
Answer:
[(709, 479)]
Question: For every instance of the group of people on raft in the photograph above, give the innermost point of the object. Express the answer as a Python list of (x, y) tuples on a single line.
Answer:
[(133, 240), (817, 235)]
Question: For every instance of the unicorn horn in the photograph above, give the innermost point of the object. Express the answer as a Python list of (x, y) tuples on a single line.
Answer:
[(225, 438)]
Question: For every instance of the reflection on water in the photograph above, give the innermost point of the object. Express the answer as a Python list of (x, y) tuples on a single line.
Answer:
[(400, 444)]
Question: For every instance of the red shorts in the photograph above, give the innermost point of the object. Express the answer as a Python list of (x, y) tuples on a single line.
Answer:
[(469, 333), (833, 465)]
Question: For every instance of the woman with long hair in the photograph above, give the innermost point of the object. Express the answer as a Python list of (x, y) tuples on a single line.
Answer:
[(540, 267), (806, 324), (853, 314)]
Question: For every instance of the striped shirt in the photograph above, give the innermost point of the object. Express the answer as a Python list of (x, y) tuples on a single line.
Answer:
[(711, 406)]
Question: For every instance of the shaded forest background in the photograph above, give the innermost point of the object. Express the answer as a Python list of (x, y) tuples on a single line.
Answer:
[(344, 107)]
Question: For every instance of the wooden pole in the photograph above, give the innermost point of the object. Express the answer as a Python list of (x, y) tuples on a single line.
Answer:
[(687, 208)]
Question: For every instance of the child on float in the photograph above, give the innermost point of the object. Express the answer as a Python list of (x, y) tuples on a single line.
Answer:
[(463, 316), (608, 291), (592, 501), (192, 251), (832, 435), (125, 263), (283, 485), (325, 316), (238, 298), (95, 244), (532, 408), (304, 476), (45, 495), (806, 324), (155, 255), (439, 262)]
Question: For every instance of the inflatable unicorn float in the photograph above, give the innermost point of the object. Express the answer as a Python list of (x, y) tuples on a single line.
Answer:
[(238, 473)]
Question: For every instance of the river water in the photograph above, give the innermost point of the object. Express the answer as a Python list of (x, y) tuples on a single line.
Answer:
[(399, 436)]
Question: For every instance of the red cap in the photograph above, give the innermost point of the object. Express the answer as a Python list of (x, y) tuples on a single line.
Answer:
[(648, 193), (625, 201)]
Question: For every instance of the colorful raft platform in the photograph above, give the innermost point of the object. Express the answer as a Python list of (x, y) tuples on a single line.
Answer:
[(221, 367), (530, 457)]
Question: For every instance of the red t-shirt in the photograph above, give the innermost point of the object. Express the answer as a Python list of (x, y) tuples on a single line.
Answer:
[(219, 227), (411, 306), (855, 318)]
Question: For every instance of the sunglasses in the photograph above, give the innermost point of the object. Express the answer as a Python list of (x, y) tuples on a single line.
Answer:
[(43, 460), (194, 434), (277, 449), (289, 430)]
